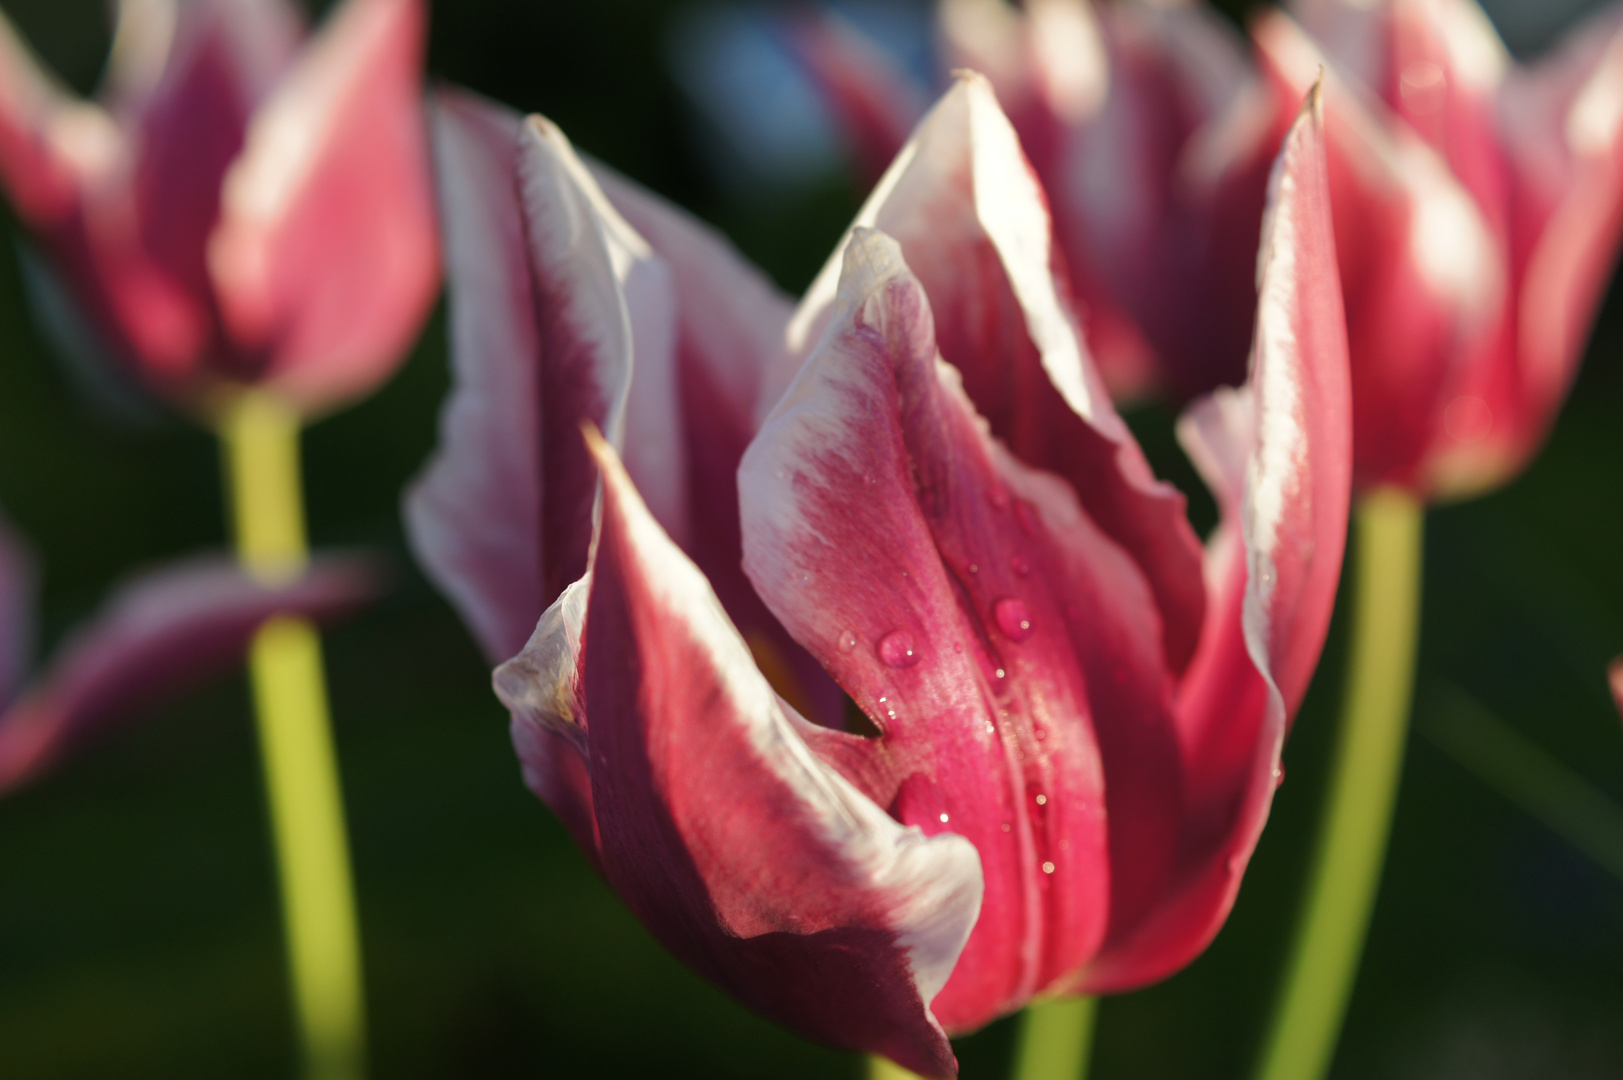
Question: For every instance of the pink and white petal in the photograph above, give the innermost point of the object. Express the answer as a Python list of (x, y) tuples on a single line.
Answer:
[(156, 636), (1562, 123), (1000, 641), (475, 514), (1423, 275), (325, 258), (1265, 632), (551, 295), (731, 322), (50, 142), (874, 103), (969, 214), (749, 858)]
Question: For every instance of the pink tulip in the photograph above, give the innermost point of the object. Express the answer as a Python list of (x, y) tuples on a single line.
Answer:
[(237, 208), (160, 633), (1479, 206), (1123, 109), (912, 488)]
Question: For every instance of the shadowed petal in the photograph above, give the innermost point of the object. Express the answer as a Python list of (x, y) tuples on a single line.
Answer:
[(972, 220), (325, 255), (1266, 629), (748, 857), (552, 293), (159, 634), (17, 586)]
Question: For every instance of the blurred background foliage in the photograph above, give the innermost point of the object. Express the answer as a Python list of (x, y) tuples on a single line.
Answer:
[(138, 930)]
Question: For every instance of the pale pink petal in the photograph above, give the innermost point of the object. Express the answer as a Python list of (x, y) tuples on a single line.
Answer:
[(1562, 125), (554, 298), (325, 258), (1424, 276), (156, 636), (972, 219), (749, 858), (1265, 632), (1007, 650)]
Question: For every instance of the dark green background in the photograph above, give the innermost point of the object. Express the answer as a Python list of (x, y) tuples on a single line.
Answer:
[(138, 930)]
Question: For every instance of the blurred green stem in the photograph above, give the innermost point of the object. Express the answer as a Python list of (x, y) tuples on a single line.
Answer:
[(1521, 771), (1055, 1040), (261, 440), (1323, 962)]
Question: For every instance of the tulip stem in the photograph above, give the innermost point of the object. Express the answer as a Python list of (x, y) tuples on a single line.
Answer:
[(1363, 786), (261, 441), (1055, 1040)]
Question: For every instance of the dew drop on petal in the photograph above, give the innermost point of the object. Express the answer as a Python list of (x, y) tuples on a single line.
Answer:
[(991, 728), (974, 568), (998, 498), (1042, 800), (1005, 826), (1048, 868), (1039, 734), (1020, 565), (1013, 618), (896, 649), (848, 641), (943, 819), (1001, 673)]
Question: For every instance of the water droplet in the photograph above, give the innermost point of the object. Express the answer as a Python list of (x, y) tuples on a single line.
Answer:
[(1005, 826), (1013, 618), (1048, 868), (896, 649), (1042, 800), (848, 641), (1020, 565), (1001, 673), (974, 568), (1040, 733), (943, 819), (991, 728), (958, 646), (998, 498)]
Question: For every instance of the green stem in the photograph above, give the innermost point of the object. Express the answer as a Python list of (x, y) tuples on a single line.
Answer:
[(261, 438), (1363, 787), (1506, 760), (1055, 1040), (1055, 1037)]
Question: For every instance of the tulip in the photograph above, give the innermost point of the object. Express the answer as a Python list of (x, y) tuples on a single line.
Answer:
[(160, 633), (236, 209), (912, 489), (1123, 110)]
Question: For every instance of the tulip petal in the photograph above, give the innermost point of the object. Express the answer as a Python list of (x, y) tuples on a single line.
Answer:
[(220, 59), (1562, 128), (970, 216), (1264, 634), (324, 258), (1006, 648), (748, 857), (157, 635), (731, 323), (551, 293), (48, 139), (1424, 275)]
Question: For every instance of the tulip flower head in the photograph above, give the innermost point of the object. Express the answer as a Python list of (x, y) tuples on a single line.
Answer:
[(238, 208), (913, 490), (1478, 203)]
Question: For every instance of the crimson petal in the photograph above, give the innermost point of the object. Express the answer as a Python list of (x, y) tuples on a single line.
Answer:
[(748, 857), (1275, 595)]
